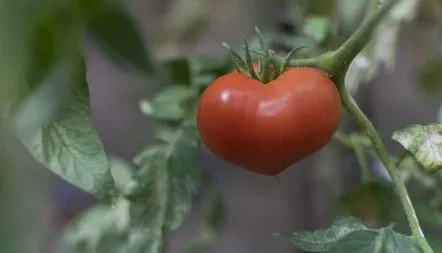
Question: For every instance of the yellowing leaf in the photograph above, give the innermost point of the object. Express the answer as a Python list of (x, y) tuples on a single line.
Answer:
[(424, 143)]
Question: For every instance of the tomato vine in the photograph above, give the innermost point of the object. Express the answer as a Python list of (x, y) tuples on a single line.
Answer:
[(45, 103)]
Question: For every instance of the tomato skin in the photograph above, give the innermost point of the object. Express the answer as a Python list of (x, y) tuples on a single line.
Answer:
[(267, 128)]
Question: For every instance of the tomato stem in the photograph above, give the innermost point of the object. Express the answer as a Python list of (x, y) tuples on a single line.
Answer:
[(352, 107), (288, 58), (345, 54), (338, 61), (361, 158)]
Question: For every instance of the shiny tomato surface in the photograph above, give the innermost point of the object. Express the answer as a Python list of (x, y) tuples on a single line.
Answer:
[(265, 128)]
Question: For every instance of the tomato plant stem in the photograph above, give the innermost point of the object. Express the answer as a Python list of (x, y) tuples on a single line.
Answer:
[(337, 62), (362, 159), (352, 107), (345, 54)]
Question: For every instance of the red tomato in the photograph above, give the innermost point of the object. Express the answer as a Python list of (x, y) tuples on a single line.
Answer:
[(265, 128)]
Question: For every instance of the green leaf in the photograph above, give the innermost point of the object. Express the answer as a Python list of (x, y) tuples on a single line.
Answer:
[(360, 241), (163, 189), (159, 197), (322, 240), (384, 240), (185, 176), (149, 199), (41, 105), (121, 172), (69, 145), (169, 103), (100, 229), (115, 30), (350, 235), (395, 242), (424, 143), (318, 28)]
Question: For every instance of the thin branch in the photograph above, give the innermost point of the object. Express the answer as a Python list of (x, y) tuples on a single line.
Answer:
[(378, 145), (362, 159)]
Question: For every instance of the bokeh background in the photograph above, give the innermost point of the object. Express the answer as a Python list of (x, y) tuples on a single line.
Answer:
[(36, 205)]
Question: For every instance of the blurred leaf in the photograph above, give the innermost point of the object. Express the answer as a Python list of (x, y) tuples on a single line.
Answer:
[(162, 190), (350, 235), (431, 76), (41, 105), (317, 28), (287, 43), (121, 172), (13, 33), (385, 39), (204, 80), (216, 65), (435, 242), (205, 69), (428, 214), (374, 201), (382, 48), (361, 70), (320, 7), (52, 34), (179, 70), (197, 71), (322, 240), (115, 30), (31, 38), (186, 17), (168, 104), (53, 37), (377, 203), (349, 13), (44, 45), (424, 143), (213, 216), (69, 145), (100, 229)]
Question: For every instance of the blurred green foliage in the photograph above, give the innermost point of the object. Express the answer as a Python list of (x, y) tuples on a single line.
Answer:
[(44, 99)]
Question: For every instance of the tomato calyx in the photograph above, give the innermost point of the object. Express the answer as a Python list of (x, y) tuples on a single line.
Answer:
[(269, 65)]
